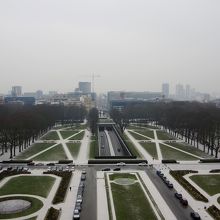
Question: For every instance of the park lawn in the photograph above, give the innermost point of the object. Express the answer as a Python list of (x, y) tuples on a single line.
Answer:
[(33, 185), (146, 132), (66, 134), (122, 175), (131, 203), (131, 146), (52, 135), (209, 183), (93, 149), (78, 136), (36, 205), (34, 149), (162, 135), (137, 136), (56, 153), (74, 149), (150, 148), (172, 154), (190, 149)]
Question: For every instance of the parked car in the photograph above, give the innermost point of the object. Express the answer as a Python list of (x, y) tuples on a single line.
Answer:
[(195, 215), (117, 169), (83, 177), (78, 207), (121, 164), (106, 169), (178, 195), (142, 164), (170, 185), (76, 214), (184, 202), (83, 171), (79, 200)]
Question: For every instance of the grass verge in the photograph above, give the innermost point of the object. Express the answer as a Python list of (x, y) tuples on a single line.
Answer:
[(78, 136), (52, 135), (74, 149), (138, 136), (66, 134)]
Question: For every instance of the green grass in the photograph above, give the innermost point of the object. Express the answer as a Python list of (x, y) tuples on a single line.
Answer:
[(74, 149), (122, 175), (52, 135), (35, 148), (78, 136), (56, 153), (131, 146), (66, 134), (36, 205), (93, 149), (33, 185), (150, 148), (146, 132), (190, 149), (209, 183), (137, 136), (162, 135), (172, 154), (131, 203)]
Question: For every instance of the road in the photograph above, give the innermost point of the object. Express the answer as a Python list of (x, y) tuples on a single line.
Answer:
[(104, 150)]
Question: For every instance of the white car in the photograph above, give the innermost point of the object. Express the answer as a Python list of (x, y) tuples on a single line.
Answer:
[(121, 164), (142, 164), (76, 214)]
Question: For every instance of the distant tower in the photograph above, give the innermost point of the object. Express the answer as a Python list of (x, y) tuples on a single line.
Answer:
[(188, 91), (165, 90), (180, 92), (16, 91), (85, 87)]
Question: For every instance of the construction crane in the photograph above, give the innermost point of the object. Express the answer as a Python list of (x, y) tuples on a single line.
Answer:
[(92, 76)]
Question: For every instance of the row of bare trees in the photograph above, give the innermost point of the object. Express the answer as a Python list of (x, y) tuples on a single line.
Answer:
[(197, 123), (22, 125)]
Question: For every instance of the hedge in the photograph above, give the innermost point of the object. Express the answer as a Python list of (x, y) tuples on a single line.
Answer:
[(178, 175), (52, 214), (7, 173), (214, 212), (64, 184)]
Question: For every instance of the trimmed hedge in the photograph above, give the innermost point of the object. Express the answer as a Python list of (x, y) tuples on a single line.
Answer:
[(17, 161), (169, 161), (215, 171), (178, 175), (52, 214), (214, 212), (7, 173), (116, 157), (64, 184), (131, 161), (209, 160), (65, 161)]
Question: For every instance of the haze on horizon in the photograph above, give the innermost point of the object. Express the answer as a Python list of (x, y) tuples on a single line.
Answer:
[(133, 45)]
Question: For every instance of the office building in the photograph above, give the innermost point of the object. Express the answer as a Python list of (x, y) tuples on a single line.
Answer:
[(85, 87), (16, 91), (165, 90)]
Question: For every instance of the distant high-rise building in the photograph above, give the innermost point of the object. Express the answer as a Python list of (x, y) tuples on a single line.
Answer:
[(85, 87), (16, 91), (165, 89), (188, 92), (180, 92), (39, 94)]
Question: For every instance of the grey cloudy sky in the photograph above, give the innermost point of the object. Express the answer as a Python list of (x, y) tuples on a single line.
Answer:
[(132, 44)]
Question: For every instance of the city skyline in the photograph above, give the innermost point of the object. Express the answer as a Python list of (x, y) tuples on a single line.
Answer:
[(50, 45)]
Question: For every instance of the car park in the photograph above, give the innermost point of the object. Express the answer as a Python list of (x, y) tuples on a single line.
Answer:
[(195, 215), (178, 195)]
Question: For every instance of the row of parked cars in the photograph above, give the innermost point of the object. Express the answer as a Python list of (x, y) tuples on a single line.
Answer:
[(79, 198), (165, 180), (18, 168)]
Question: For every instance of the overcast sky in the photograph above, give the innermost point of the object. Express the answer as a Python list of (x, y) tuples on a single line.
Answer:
[(131, 44)]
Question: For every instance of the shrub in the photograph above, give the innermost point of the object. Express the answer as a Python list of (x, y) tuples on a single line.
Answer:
[(52, 214), (214, 212), (178, 175), (215, 171), (64, 184), (6, 173), (169, 161)]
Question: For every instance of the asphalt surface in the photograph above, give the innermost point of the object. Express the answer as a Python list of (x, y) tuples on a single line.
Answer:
[(104, 151), (89, 205)]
